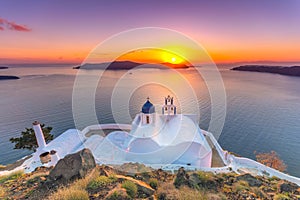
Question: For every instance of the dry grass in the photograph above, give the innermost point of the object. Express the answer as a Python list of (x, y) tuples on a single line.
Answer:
[(70, 194), (2, 192), (167, 190), (219, 196), (186, 193), (281, 197), (76, 190)]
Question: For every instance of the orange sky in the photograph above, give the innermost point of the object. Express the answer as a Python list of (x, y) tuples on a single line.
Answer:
[(230, 31)]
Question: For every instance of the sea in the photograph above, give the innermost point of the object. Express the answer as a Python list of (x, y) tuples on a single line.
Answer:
[(262, 109)]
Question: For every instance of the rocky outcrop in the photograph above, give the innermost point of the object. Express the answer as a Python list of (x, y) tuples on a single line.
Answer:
[(73, 166), (196, 180), (182, 178), (252, 181), (284, 186), (290, 71), (37, 185)]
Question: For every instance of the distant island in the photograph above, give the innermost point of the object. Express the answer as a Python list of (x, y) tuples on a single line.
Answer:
[(289, 71), (127, 65), (3, 67), (8, 77)]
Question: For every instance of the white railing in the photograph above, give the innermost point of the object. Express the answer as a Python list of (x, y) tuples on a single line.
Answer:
[(238, 162), (264, 170), (105, 126)]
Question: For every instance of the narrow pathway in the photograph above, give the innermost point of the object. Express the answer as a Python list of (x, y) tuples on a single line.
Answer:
[(216, 159)]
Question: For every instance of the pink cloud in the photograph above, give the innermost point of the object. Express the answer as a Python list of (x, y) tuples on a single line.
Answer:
[(1, 28), (17, 27), (13, 26), (2, 21)]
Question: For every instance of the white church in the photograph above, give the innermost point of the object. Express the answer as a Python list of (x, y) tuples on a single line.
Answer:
[(166, 138), (154, 139)]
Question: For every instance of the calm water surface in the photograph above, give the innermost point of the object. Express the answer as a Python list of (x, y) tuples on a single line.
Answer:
[(263, 110)]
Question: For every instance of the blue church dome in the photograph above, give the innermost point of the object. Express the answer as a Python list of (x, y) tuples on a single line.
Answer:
[(148, 108)]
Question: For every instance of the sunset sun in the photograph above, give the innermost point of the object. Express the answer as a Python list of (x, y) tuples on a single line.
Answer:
[(171, 58)]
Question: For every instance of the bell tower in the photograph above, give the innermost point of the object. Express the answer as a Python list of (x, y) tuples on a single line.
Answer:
[(169, 108)]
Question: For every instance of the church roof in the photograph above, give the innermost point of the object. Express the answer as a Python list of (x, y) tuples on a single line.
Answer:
[(148, 108)]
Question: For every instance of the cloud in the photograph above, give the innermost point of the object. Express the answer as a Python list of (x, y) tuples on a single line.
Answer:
[(12, 26), (2, 21), (17, 27)]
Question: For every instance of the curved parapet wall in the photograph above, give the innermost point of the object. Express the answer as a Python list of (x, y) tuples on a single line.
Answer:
[(238, 163), (105, 127)]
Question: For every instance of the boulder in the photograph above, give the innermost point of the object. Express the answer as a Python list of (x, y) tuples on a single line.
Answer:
[(73, 166), (284, 186), (250, 179)]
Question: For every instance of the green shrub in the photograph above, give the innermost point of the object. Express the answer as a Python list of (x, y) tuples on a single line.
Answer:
[(100, 181), (113, 178), (153, 183), (119, 194), (114, 196), (28, 139), (273, 178), (205, 176), (11, 176), (281, 197), (130, 188)]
